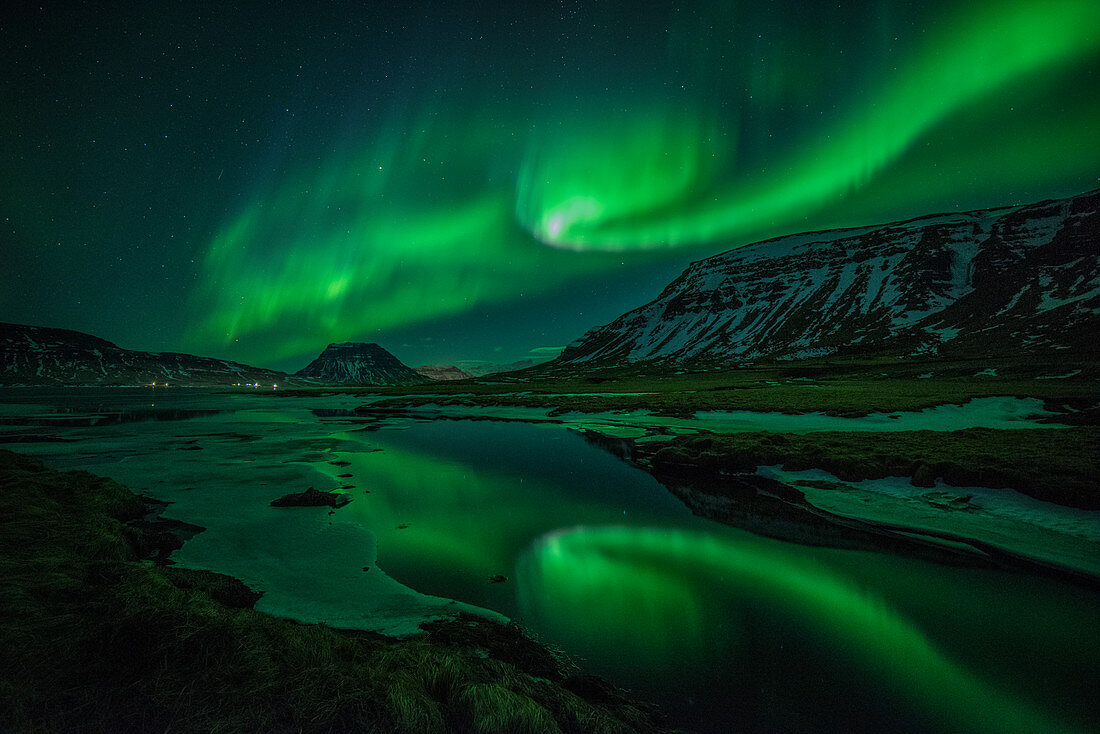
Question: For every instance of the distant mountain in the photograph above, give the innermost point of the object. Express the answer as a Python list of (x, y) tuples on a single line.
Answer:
[(37, 355), (481, 368), (1010, 280), (440, 372), (356, 363)]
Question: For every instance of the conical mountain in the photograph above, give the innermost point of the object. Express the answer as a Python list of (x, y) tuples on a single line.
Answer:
[(358, 363)]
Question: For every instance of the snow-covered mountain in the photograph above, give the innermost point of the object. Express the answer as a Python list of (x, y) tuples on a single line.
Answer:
[(1007, 280), (356, 363), (442, 372), (37, 355), (480, 368)]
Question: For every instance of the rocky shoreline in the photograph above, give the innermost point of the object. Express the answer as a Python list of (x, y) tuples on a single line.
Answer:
[(1057, 465), (93, 638), (715, 477)]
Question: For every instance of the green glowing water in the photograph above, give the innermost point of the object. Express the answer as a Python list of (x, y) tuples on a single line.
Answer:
[(724, 626), (684, 594)]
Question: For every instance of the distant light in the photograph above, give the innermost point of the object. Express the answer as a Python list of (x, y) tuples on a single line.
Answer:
[(274, 387)]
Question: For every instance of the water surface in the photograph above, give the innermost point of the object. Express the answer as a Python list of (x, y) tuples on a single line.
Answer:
[(726, 629)]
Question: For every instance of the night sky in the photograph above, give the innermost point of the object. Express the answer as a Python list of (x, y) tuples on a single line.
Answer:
[(485, 180)]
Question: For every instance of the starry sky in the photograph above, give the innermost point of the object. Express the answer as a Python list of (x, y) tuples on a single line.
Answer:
[(488, 180)]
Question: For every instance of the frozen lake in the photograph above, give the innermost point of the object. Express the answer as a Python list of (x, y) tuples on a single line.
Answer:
[(722, 626)]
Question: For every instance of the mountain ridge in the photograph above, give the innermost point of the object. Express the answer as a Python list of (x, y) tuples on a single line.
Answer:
[(44, 356), (1022, 277)]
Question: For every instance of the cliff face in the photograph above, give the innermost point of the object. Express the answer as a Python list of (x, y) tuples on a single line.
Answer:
[(357, 363), (1014, 279), (37, 355)]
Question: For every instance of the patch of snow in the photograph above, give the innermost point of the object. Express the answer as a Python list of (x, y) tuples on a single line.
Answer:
[(1015, 298), (1001, 517), (807, 353), (1049, 301), (945, 334), (1072, 373), (962, 265)]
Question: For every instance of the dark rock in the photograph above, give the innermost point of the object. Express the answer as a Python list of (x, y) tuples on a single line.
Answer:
[(155, 538), (949, 501), (231, 592), (924, 476), (312, 498), (506, 642), (593, 689)]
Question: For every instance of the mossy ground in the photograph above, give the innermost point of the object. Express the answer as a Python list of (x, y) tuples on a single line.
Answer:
[(93, 639), (1057, 465), (847, 388)]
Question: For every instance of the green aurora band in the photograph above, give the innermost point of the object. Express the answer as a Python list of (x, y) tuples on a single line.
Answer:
[(568, 198), (369, 242), (671, 584), (449, 205)]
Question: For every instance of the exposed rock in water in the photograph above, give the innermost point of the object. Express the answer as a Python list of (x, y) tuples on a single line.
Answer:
[(950, 501), (312, 498)]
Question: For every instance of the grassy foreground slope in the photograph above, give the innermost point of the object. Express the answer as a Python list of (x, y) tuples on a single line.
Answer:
[(93, 639)]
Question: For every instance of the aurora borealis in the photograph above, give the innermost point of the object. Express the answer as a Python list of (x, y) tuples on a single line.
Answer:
[(462, 182)]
